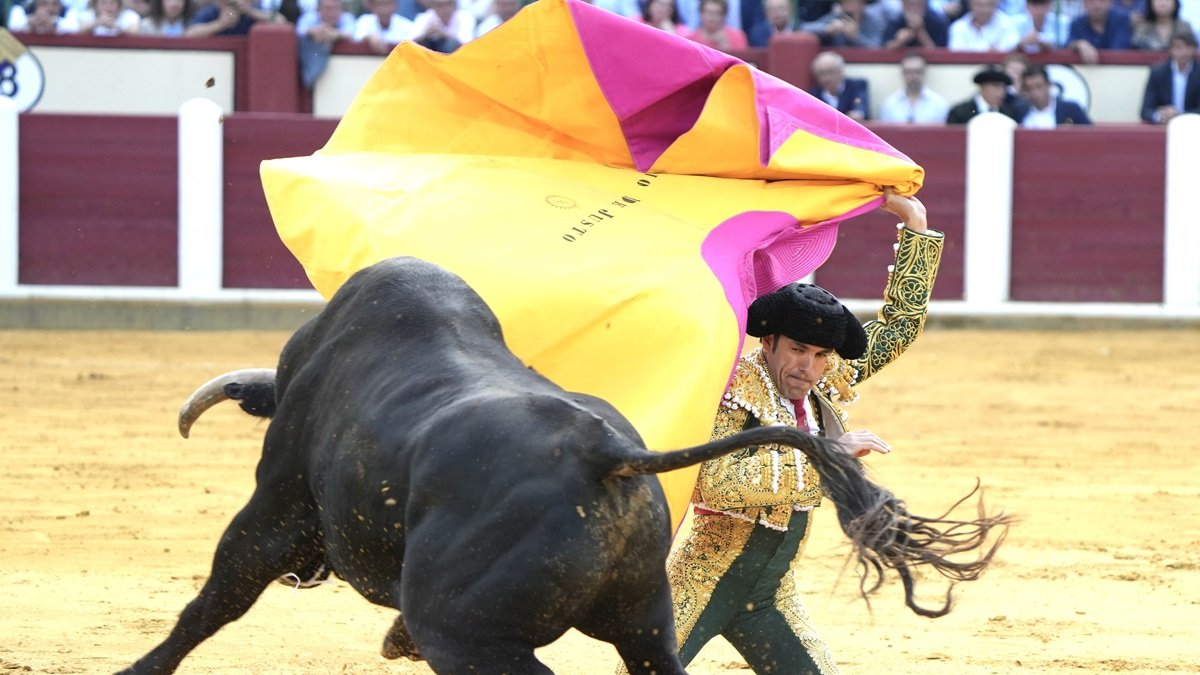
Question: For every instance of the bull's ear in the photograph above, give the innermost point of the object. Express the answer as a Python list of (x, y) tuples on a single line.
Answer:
[(257, 399)]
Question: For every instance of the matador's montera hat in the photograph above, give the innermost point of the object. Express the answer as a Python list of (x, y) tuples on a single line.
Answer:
[(808, 314)]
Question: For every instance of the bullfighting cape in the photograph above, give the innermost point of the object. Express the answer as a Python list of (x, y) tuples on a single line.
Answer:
[(617, 194)]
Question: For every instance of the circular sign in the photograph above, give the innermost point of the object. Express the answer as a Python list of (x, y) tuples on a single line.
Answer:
[(1068, 84), (22, 80)]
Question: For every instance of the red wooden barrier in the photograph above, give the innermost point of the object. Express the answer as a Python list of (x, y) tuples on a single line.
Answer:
[(1088, 214), (98, 200), (99, 207)]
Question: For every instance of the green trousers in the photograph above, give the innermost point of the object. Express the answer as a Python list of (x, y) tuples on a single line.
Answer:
[(753, 603)]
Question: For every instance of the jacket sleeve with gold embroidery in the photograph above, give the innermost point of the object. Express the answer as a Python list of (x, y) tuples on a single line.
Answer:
[(902, 317)]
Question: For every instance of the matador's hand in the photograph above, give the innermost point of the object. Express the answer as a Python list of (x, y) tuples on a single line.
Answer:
[(910, 210), (860, 443)]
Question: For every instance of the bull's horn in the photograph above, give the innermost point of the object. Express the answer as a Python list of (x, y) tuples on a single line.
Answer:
[(213, 392)]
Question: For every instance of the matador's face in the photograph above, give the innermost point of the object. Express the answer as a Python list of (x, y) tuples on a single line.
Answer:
[(795, 367)]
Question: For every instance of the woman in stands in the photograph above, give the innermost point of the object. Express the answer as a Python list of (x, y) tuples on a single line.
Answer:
[(1162, 19), (168, 18), (663, 14)]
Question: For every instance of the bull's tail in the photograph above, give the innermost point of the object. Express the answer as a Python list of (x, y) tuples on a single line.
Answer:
[(252, 388), (883, 532), (658, 462)]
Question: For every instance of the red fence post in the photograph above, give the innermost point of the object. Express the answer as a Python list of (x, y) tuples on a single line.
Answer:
[(790, 58)]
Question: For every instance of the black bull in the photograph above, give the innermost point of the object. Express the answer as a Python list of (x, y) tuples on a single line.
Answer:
[(411, 450)]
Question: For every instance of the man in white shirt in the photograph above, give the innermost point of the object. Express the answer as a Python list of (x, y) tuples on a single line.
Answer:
[(1173, 87), (983, 29), (1046, 110), (915, 103), (444, 27), (381, 27)]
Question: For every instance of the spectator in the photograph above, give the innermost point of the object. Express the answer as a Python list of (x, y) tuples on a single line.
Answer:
[(713, 30), (280, 10), (1174, 85), (664, 15), (916, 26), (740, 14), (102, 18), (847, 94), (45, 19), (993, 96), (444, 27), (915, 103), (983, 29), (1101, 26), (502, 10), (479, 9), (227, 17), (168, 18), (1162, 20), (778, 20), (1046, 110), (851, 23), (1041, 28), (382, 27), (319, 30), (630, 9)]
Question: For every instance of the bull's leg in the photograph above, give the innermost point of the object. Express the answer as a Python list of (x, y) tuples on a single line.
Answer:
[(399, 643), (258, 546), (640, 625)]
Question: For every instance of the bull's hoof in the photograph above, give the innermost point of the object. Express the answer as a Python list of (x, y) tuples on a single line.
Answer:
[(398, 643)]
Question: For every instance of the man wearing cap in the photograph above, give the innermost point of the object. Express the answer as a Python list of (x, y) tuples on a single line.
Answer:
[(733, 574), (993, 96)]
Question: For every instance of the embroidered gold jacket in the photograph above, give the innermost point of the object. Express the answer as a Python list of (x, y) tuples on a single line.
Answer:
[(767, 483)]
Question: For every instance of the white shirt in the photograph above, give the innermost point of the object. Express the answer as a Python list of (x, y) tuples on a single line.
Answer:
[(1054, 30), (929, 108), (399, 29), (982, 105), (478, 8), (810, 418), (998, 35), (128, 21), (461, 26), (308, 20), (1179, 80), (1041, 119), (489, 23)]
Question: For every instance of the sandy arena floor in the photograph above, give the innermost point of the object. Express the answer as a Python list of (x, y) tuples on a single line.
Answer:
[(109, 518)]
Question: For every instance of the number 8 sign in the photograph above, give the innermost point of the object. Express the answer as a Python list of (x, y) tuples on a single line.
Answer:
[(21, 76)]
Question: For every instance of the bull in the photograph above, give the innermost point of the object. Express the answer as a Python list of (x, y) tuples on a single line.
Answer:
[(413, 453)]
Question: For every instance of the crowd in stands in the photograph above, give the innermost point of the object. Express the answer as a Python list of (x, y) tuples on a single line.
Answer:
[(1087, 27)]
